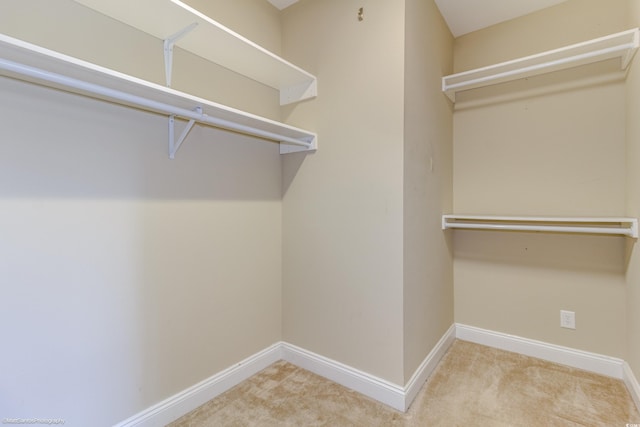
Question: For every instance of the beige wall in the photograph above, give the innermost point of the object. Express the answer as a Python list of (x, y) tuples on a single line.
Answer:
[(135, 276), (367, 270), (633, 199), (127, 277), (572, 21), (553, 153), (428, 267), (342, 206)]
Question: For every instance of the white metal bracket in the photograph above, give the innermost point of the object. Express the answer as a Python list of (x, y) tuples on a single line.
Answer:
[(173, 144), (168, 50)]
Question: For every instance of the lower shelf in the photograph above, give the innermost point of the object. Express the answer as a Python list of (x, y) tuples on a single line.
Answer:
[(621, 226)]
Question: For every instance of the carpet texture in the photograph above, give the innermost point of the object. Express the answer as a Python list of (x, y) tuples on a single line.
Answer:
[(473, 385)]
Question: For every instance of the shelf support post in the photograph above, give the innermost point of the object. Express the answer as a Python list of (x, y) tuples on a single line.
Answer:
[(174, 145), (168, 50)]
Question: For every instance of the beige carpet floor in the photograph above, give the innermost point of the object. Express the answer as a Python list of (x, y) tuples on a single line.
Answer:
[(473, 385)]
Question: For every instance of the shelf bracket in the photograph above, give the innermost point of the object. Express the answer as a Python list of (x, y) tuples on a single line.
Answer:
[(168, 50), (174, 145)]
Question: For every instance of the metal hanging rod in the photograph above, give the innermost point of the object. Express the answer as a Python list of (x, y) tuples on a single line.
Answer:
[(91, 80), (138, 101), (621, 45), (604, 225)]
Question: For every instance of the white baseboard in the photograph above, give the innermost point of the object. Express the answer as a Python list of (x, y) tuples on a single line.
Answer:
[(393, 395), (383, 391), (604, 365), (428, 365), (632, 384), (367, 384), (186, 401), (592, 362)]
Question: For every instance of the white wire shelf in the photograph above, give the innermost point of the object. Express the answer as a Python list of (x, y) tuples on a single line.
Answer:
[(25, 61), (179, 24), (622, 226), (621, 45)]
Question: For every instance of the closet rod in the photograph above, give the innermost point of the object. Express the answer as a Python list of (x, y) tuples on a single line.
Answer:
[(537, 67), (552, 228), (141, 102)]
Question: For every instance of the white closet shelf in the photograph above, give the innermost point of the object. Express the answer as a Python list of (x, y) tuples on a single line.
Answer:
[(598, 225), (621, 45), (179, 24), (25, 61)]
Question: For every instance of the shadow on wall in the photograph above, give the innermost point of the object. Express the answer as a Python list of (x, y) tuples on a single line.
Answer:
[(124, 269), (587, 76), (588, 253), (56, 144)]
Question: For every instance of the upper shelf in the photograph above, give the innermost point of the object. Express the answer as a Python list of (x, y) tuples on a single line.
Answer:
[(25, 61), (211, 40), (600, 225), (620, 45)]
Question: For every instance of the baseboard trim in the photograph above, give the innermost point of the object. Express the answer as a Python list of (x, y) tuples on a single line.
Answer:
[(383, 391), (632, 384), (604, 365), (362, 382), (184, 402), (428, 365), (391, 394)]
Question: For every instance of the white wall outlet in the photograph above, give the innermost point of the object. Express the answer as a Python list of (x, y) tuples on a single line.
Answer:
[(567, 319)]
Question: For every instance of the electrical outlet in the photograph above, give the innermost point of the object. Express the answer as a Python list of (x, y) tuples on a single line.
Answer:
[(567, 319)]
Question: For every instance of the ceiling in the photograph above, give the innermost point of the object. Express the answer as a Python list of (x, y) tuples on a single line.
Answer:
[(281, 4), (465, 16)]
